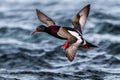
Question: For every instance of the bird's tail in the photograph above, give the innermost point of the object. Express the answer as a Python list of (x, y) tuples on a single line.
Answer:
[(89, 45)]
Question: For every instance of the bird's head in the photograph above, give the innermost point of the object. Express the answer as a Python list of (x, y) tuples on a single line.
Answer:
[(40, 28)]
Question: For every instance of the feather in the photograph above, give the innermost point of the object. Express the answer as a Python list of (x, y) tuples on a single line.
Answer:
[(44, 18), (80, 19)]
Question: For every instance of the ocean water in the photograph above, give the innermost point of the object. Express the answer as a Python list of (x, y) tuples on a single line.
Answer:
[(40, 57)]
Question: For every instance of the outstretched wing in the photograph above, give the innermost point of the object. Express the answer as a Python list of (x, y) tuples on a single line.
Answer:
[(80, 19), (71, 52), (44, 18)]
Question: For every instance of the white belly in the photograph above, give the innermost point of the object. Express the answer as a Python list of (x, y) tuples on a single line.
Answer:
[(79, 41)]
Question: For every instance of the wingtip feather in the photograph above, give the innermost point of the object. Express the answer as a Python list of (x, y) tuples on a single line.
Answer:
[(88, 5), (36, 9), (71, 52)]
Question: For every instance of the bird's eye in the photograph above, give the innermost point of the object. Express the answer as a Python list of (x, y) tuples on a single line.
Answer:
[(37, 29)]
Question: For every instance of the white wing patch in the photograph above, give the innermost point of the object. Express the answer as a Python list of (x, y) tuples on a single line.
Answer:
[(78, 42), (71, 50)]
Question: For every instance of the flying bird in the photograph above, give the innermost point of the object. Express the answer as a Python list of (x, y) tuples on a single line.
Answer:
[(72, 35)]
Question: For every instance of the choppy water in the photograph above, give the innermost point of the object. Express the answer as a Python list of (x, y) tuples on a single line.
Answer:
[(40, 57)]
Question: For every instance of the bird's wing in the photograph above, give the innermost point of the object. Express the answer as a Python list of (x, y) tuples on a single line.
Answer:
[(80, 19), (44, 18), (71, 52)]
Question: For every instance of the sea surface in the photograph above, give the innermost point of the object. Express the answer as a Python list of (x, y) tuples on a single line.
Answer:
[(40, 57)]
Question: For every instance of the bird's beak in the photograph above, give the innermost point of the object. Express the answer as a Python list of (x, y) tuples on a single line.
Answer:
[(34, 32)]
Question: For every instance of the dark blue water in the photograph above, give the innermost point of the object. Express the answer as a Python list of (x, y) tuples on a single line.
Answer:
[(40, 57)]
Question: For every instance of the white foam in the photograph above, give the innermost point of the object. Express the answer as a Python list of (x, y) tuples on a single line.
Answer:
[(103, 37), (20, 43), (16, 25), (21, 1), (9, 41), (27, 45)]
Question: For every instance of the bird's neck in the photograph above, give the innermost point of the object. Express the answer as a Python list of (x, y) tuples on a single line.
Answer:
[(47, 30)]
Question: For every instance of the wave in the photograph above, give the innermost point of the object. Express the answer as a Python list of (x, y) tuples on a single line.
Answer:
[(104, 37), (25, 57), (87, 73)]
